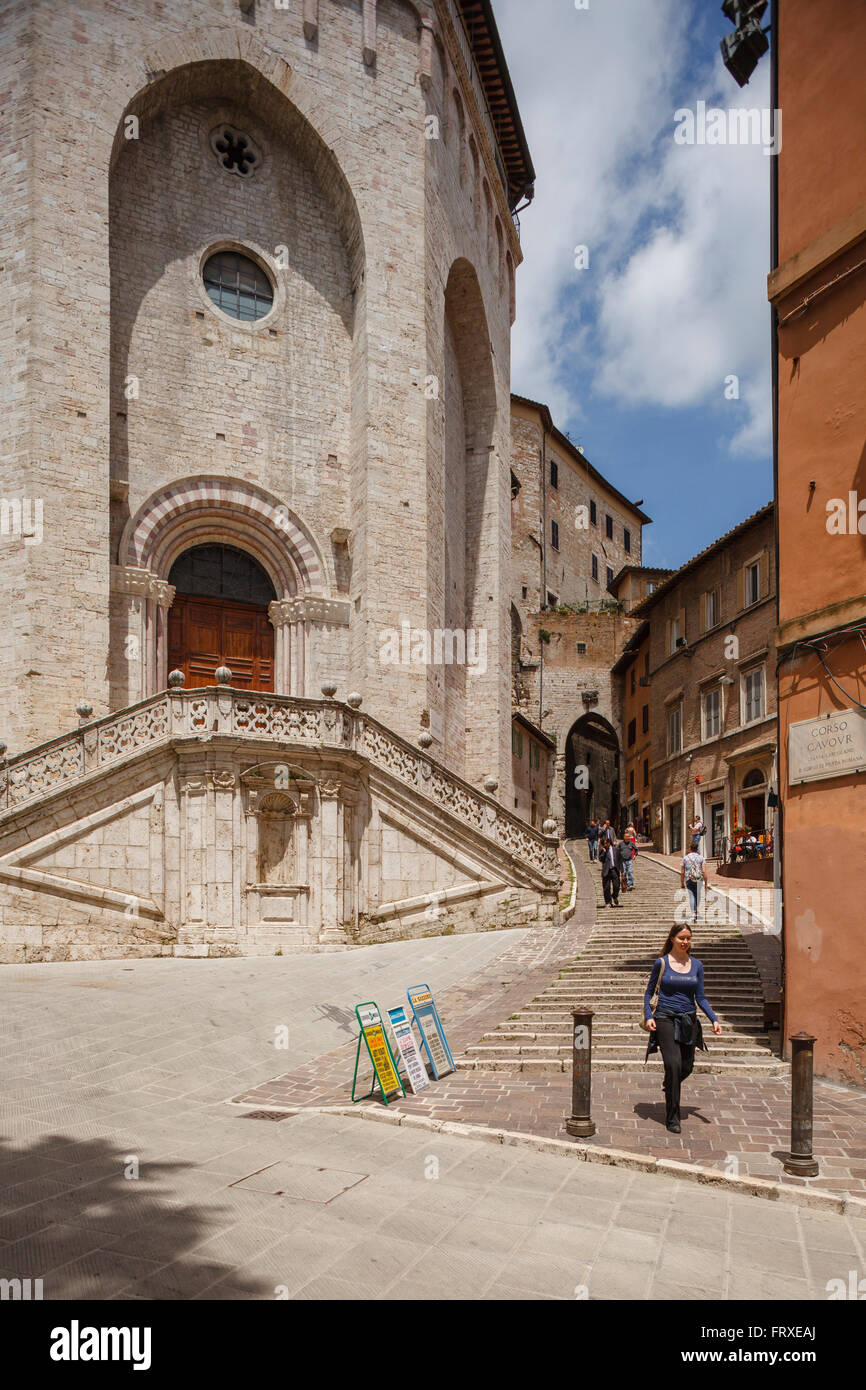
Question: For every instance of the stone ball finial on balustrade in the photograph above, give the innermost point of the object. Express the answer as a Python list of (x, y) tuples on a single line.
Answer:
[(491, 785), (176, 679), (549, 827), (223, 675), (84, 711), (425, 740), (329, 689), (2, 749), (354, 700)]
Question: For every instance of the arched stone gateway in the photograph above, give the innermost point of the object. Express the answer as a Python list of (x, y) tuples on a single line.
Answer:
[(591, 774)]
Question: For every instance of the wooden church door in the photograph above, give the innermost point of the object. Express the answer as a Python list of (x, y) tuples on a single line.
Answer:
[(220, 618)]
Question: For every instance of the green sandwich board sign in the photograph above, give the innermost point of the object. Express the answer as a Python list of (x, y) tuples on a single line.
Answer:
[(384, 1070)]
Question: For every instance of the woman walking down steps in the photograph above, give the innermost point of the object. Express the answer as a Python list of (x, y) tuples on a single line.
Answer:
[(675, 1028)]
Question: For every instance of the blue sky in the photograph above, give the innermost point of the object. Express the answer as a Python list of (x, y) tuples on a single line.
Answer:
[(633, 353)]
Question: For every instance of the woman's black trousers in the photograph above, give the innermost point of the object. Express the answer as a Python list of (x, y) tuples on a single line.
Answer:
[(679, 1063)]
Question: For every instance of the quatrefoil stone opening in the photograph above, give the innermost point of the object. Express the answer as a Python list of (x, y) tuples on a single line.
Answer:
[(235, 151)]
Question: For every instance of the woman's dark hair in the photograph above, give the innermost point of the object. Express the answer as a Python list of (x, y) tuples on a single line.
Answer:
[(674, 931)]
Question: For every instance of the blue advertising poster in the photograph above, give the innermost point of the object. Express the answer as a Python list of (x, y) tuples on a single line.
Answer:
[(430, 1027)]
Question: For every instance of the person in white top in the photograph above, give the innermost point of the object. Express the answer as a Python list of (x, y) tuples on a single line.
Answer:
[(693, 872)]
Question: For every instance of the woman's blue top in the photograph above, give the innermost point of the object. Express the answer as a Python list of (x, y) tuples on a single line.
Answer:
[(680, 993)]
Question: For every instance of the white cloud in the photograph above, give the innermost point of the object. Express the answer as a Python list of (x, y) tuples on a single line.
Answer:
[(674, 300)]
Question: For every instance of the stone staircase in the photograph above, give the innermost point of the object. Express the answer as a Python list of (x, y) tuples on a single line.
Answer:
[(610, 976), (146, 832)]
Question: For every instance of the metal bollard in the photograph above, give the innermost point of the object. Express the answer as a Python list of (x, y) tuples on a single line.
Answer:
[(581, 1123), (800, 1162)]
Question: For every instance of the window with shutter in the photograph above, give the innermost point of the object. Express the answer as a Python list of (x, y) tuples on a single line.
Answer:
[(675, 730), (753, 695), (712, 713), (765, 574)]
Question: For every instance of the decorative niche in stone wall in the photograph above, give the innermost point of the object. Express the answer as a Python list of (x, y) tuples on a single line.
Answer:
[(278, 812)]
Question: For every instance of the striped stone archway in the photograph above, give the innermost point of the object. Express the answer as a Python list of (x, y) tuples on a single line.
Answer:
[(225, 511)]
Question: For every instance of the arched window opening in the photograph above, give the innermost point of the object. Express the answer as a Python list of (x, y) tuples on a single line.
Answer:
[(224, 572)]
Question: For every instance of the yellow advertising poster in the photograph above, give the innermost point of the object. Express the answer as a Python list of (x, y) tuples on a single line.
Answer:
[(381, 1058)]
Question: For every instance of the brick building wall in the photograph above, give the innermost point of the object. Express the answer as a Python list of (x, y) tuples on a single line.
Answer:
[(559, 488), (714, 695), (567, 630), (570, 680), (634, 683), (532, 765)]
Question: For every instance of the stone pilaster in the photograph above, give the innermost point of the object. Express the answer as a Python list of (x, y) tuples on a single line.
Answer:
[(331, 859)]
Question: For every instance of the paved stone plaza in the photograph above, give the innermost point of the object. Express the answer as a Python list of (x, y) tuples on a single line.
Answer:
[(735, 1123), (109, 1065)]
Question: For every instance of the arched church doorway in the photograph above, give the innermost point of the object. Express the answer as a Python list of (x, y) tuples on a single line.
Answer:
[(591, 745), (219, 617)]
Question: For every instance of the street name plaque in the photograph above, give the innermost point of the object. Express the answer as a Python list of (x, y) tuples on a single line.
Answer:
[(831, 747), (430, 1027), (384, 1071), (408, 1049)]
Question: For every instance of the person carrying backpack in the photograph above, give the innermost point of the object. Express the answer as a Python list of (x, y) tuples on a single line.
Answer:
[(628, 854), (693, 872)]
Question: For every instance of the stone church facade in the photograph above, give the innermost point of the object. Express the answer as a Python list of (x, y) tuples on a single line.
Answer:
[(259, 265)]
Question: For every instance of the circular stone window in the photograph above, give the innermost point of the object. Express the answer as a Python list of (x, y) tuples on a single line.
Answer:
[(238, 286), (235, 151)]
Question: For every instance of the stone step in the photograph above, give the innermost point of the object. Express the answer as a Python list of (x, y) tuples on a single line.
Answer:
[(614, 1051), (631, 959), (617, 1003), (655, 934), (742, 1018), (602, 1025), (636, 952), (727, 954), (621, 952), (747, 988), (530, 1066), (727, 957), (654, 938), (603, 1037), (599, 999), (635, 984)]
